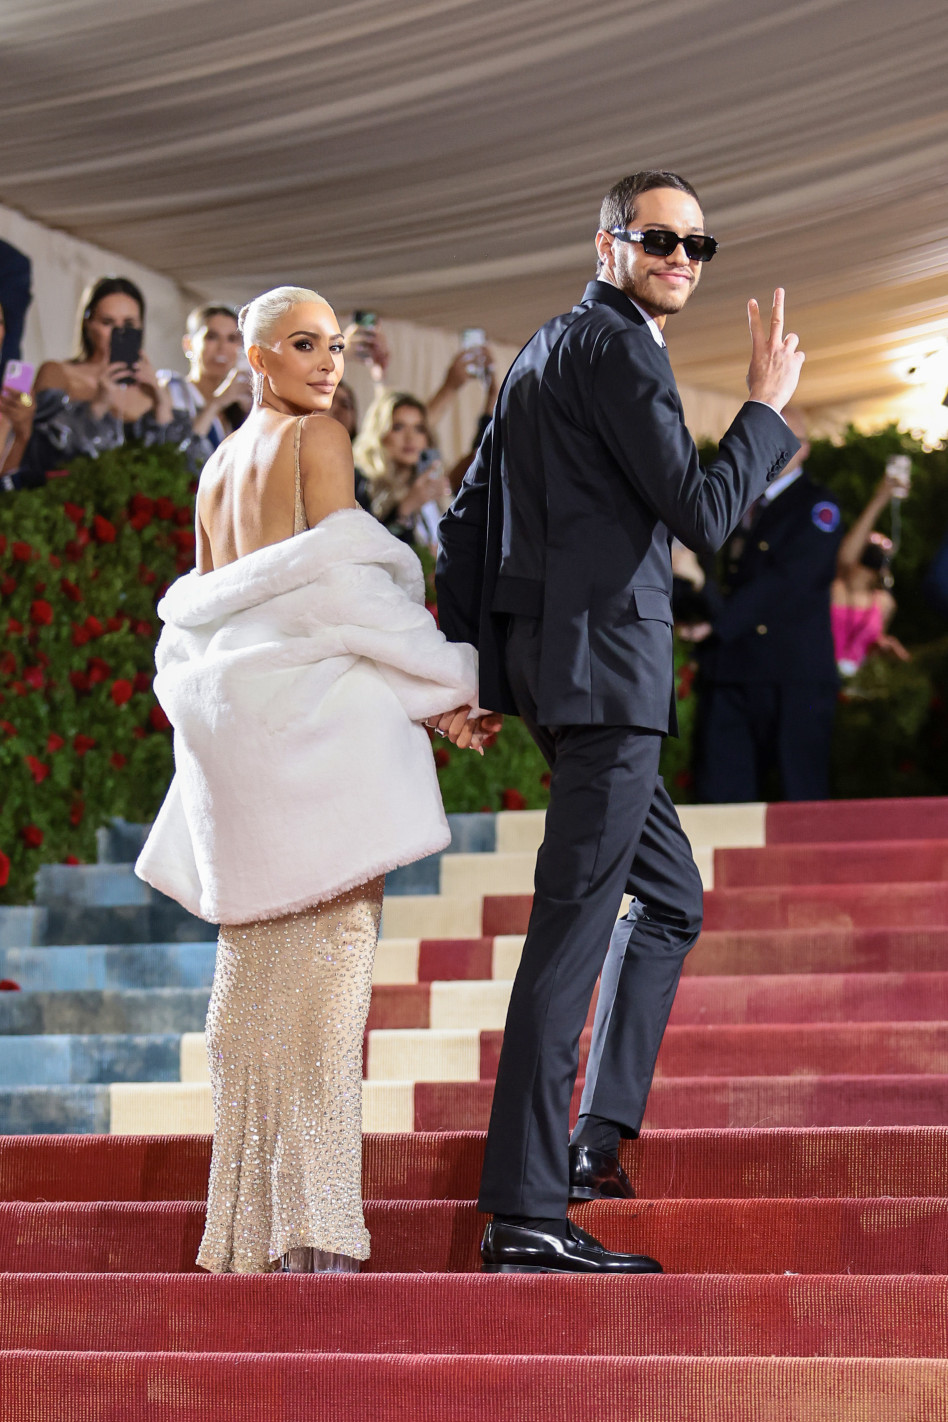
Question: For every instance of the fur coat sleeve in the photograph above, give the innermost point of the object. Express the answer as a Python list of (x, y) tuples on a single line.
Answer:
[(295, 680)]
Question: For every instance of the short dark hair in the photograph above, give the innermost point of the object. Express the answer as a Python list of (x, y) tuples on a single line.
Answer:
[(94, 293), (202, 314), (618, 205)]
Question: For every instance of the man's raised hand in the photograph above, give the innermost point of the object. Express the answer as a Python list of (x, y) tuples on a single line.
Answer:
[(776, 360)]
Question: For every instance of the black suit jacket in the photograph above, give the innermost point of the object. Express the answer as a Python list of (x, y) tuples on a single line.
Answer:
[(774, 622), (584, 474)]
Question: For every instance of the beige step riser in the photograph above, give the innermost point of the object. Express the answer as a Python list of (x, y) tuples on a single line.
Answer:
[(172, 1108), (707, 827), (422, 1054), (465, 874)]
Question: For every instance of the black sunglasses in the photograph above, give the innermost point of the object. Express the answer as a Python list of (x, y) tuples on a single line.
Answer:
[(659, 242)]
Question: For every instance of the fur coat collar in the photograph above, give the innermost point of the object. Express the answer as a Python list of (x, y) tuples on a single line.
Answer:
[(295, 680)]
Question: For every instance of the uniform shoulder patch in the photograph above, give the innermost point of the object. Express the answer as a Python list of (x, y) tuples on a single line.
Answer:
[(826, 516)]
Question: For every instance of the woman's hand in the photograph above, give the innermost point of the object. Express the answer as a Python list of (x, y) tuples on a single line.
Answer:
[(467, 732), (147, 381), (109, 397), (368, 345), (237, 389), (17, 411), (431, 484), (891, 647)]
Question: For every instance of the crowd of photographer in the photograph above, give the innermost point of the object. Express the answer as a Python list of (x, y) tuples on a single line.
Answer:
[(108, 393)]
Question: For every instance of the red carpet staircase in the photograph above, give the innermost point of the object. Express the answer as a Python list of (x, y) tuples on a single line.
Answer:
[(794, 1182)]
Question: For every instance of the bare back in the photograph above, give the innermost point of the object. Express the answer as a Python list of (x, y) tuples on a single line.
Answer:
[(275, 476)]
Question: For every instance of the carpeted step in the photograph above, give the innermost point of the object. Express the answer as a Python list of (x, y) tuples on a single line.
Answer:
[(882, 1236), (698, 1164), (819, 997), (925, 817), (812, 997), (729, 952), (137, 1010), (771, 1049), (922, 905), (247, 1387), (884, 861), (540, 1315), (818, 950), (720, 1102), (86, 967)]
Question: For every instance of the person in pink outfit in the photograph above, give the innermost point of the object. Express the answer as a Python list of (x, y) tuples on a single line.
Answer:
[(861, 602)]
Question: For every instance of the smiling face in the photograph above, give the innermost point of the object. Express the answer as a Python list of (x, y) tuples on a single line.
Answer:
[(109, 312), (214, 348), (660, 285), (302, 362), (407, 440)]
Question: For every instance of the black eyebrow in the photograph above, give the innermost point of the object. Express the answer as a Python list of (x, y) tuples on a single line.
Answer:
[(314, 335)]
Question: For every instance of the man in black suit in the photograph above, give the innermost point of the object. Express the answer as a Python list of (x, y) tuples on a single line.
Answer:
[(555, 562), (768, 682)]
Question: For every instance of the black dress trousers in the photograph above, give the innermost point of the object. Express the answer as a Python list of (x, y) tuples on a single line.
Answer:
[(611, 828)]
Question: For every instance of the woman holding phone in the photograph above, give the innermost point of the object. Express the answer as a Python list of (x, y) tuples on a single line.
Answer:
[(16, 409), (408, 487), (107, 392)]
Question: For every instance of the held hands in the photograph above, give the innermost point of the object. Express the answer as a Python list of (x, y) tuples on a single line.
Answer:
[(477, 734), (775, 362)]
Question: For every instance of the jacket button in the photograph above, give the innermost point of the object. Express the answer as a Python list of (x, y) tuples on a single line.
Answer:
[(761, 630), (764, 546)]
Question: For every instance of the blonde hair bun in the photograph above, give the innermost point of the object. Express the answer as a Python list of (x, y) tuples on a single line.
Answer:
[(259, 317)]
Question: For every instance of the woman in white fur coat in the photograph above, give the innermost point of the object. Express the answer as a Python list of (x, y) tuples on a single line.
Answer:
[(296, 664)]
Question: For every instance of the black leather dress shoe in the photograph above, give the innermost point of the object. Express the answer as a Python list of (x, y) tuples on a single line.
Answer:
[(516, 1249), (594, 1175)]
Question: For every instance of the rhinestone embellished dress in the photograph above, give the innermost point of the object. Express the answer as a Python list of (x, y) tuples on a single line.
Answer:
[(284, 1042)]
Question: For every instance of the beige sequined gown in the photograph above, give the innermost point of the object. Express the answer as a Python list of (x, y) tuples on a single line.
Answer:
[(284, 1042)]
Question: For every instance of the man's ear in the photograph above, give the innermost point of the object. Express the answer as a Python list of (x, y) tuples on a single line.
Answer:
[(604, 244)]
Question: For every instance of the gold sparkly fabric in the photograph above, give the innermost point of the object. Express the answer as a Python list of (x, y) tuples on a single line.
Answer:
[(284, 1041)]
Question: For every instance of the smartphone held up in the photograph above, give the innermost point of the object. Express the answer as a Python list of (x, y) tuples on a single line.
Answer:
[(125, 347)]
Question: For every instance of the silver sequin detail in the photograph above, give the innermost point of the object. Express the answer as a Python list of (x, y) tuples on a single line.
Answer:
[(284, 1040)]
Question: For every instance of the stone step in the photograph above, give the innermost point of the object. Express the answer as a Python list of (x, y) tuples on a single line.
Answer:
[(161, 921), (152, 1010), (81, 967), (72, 1059)]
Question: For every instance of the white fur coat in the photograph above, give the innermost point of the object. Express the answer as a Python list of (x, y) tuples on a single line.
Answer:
[(295, 680)]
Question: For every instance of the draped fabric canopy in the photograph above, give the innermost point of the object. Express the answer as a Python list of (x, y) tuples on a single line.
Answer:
[(444, 160)]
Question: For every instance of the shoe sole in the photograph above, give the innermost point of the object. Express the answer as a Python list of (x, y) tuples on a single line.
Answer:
[(543, 1269), (582, 1193)]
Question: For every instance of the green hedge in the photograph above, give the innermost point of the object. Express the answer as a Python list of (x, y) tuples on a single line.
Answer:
[(82, 738)]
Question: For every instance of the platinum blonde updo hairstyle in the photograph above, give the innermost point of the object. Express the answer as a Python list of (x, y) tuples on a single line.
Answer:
[(258, 319)]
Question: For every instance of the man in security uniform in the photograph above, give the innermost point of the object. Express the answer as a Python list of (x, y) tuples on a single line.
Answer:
[(768, 682)]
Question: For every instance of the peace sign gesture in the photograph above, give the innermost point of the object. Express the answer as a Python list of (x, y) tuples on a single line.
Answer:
[(775, 360)]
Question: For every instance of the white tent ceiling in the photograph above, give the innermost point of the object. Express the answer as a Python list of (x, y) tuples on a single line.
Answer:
[(443, 160)]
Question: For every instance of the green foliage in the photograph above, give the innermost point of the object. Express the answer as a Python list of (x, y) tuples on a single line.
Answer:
[(82, 738)]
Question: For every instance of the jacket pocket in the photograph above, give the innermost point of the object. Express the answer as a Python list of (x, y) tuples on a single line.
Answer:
[(652, 605)]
